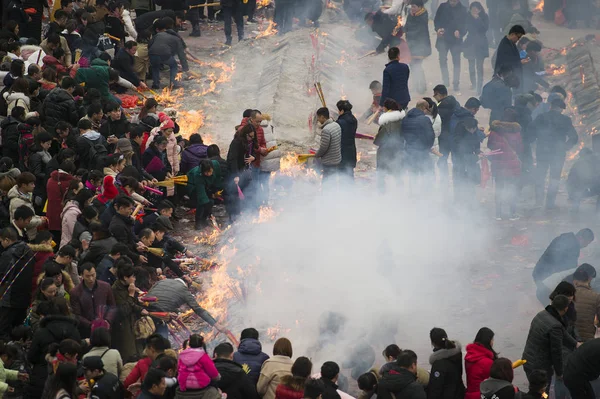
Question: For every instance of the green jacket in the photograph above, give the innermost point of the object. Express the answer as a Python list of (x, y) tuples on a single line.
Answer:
[(6, 374), (198, 184), (95, 77)]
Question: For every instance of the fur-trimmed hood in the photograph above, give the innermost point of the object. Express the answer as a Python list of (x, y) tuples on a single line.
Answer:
[(41, 247), (67, 281), (391, 116), (505, 127), (295, 383), (445, 353)]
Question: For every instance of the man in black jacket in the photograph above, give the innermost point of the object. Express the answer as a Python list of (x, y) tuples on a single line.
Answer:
[(59, 105), (548, 338), (103, 385), (450, 25), (233, 10), (418, 133), (401, 380), (555, 135), (583, 367), (497, 94), (349, 124), (446, 107), (146, 20), (121, 226), (16, 269), (385, 27), (330, 372), (508, 53), (234, 380), (10, 134), (116, 124), (395, 80), (561, 255)]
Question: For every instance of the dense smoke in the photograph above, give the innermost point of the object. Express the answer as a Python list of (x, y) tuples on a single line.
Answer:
[(385, 265)]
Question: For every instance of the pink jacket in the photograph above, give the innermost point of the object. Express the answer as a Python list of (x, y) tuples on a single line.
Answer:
[(69, 218), (195, 369)]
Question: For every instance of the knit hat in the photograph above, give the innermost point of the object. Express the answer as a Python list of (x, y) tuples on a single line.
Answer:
[(109, 190), (167, 124), (124, 145)]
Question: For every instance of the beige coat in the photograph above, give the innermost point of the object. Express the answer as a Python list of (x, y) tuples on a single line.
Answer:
[(272, 371), (587, 306), (141, 61), (111, 359)]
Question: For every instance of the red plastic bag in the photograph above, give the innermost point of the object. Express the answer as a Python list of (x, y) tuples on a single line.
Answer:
[(128, 101), (485, 172), (240, 193), (559, 16)]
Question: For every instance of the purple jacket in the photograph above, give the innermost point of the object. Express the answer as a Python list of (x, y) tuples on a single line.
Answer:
[(191, 157), (250, 353)]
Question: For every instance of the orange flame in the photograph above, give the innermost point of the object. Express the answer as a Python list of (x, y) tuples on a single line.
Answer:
[(556, 70), (540, 6), (270, 31), (398, 26), (263, 3), (332, 5), (265, 213), (190, 122)]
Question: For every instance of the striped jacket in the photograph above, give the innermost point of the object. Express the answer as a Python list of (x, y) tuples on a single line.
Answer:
[(330, 149)]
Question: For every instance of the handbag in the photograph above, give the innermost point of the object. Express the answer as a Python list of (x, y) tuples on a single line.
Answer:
[(144, 327)]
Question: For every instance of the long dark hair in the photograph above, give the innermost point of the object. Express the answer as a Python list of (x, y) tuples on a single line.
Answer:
[(439, 339), (150, 103), (479, 6), (64, 378), (484, 338)]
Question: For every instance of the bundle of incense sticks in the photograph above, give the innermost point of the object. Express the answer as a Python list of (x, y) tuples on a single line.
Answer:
[(320, 94)]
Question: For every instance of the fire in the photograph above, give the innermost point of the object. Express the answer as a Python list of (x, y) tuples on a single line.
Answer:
[(332, 5), (576, 151), (210, 239), (540, 6), (190, 122), (263, 3), (398, 26), (343, 93), (343, 58), (556, 70), (273, 332), (358, 156), (291, 167), (265, 213), (178, 77), (270, 31), (168, 97)]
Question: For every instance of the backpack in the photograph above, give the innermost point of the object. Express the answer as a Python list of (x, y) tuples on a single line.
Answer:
[(25, 143), (97, 154), (3, 103)]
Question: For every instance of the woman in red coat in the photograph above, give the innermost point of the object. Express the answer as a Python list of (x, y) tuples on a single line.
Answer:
[(505, 137), (57, 186), (478, 361)]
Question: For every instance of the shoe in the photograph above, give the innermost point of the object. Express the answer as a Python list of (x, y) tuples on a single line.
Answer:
[(228, 42), (240, 38), (175, 86), (196, 33), (182, 29), (251, 22), (155, 87), (212, 21), (499, 218), (514, 217), (456, 88), (472, 87)]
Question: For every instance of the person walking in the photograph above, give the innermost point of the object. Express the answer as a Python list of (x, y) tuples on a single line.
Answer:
[(554, 135), (348, 124), (475, 46), (395, 80), (233, 10), (450, 25), (419, 43)]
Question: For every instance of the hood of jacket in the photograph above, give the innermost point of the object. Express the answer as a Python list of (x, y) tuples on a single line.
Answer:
[(191, 356), (58, 175), (462, 113), (59, 95), (505, 127), (9, 121), (415, 113), (10, 97), (448, 103), (390, 117), (71, 206), (476, 352), (230, 372), (58, 324), (445, 353), (491, 386), (294, 383), (99, 63), (250, 346), (15, 193), (397, 379), (91, 135), (41, 248), (196, 150)]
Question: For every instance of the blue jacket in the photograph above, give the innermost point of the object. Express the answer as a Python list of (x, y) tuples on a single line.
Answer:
[(250, 353), (395, 83), (418, 132)]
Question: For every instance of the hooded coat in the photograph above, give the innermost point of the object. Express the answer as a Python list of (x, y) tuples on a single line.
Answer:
[(496, 95), (478, 363), (400, 383), (417, 34), (10, 138), (446, 108), (95, 77), (348, 124), (390, 141), (506, 137), (271, 373), (15, 99), (195, 369), (251, 356), (418, 133), (85, 149), (69, 216), (234, 380), (18, 199), (191, 157), (493, 388), (445, 381)]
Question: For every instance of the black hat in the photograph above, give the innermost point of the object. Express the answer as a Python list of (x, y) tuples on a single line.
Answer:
[(164, 223), (93, 363)]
